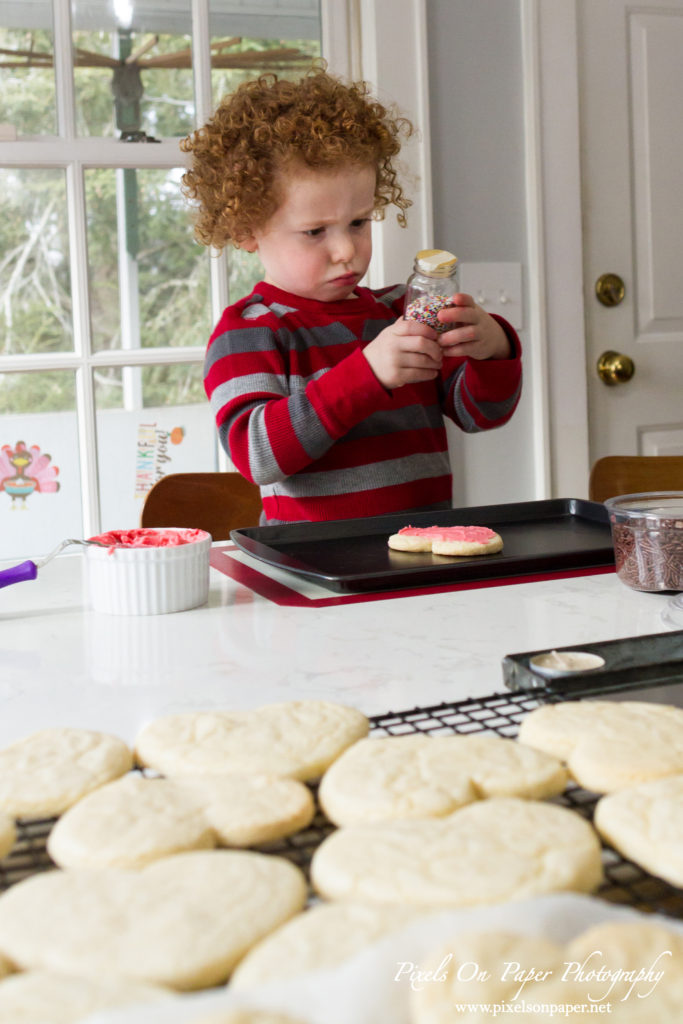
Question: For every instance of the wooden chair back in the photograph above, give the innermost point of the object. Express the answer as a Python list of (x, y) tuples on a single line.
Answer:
[(215, 502), (634, 474)]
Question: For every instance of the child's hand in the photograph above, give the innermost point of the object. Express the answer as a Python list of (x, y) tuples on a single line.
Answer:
[(406, 352), (474, 332)]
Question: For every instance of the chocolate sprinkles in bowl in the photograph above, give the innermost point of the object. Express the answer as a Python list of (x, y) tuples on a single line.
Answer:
[(647, 532)]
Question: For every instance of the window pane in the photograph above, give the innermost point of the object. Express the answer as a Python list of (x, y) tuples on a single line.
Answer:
[(151, 421), (245, 270), (155, 290), (270, 36), (133, 68), (40, 491), (27, 81), (35, 281)]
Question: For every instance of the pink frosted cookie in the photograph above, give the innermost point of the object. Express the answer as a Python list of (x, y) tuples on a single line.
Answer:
[(447, 540)]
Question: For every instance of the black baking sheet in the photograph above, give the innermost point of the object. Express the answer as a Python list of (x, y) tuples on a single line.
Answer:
[(638, 667), (352, 554)]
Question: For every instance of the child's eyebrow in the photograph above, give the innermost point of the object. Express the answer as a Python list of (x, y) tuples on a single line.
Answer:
[(322, 222)]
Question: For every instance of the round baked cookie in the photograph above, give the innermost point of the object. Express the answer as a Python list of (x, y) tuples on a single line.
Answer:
[(598, 966), (8, 834), (43, 774), (632, 946), (135, 820), (129, 823), (423, 777), (609, 745), (244, 1016), (455, 541), (250, 810), (490, 851), (456, 977), (323, 936), (645, 824), (635, 966), (38, 997), (295, 739), (402, 541), (183, 921)]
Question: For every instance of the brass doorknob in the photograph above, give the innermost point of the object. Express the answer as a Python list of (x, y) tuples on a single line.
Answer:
[(610, 289), (615, 368)]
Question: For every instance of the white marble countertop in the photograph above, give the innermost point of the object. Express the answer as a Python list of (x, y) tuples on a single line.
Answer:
[(65, 664)]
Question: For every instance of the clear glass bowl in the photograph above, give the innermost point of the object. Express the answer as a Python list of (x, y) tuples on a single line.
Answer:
[(673, 613), (647, 533)]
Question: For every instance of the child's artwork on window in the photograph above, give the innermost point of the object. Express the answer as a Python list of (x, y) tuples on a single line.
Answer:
[(26, 470)]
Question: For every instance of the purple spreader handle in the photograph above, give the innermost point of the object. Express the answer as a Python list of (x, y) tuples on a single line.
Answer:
[(18, 573)]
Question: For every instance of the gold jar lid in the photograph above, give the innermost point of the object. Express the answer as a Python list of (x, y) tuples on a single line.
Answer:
[(435, 262)]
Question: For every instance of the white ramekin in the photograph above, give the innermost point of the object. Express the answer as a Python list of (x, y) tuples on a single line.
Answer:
[(149, 580)]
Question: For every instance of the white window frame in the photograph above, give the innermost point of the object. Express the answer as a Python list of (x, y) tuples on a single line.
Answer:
[(393, 60)]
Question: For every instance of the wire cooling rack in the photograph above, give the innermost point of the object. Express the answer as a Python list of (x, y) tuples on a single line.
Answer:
[(28, 854), (625, 882)]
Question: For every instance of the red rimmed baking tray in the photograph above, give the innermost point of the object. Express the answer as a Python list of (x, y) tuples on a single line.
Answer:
[(352, 554)]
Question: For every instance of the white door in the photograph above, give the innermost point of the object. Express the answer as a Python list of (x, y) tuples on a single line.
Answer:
[(631, 123)]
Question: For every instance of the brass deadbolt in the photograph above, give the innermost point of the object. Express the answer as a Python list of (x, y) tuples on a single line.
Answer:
[(615, 368), (610, 289)]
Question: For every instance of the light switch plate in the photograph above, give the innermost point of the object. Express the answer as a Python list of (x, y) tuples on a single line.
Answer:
[(497, 287)]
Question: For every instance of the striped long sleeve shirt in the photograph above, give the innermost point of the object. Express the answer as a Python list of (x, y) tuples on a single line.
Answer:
[(300, 412)]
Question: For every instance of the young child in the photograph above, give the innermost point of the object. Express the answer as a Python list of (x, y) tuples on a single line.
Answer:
[(323, 394)]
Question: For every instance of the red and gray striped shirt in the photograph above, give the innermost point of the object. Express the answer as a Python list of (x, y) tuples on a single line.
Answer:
[(300, 412)]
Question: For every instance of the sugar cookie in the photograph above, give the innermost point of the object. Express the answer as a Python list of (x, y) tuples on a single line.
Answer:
[(447, 540), (135, 820), (36, 997), (645, 824), (492, 850), (421, 776), (614, 962), (244, 1016), (609, 745), (323, 936), (635, 966), (460, 983), (48, 771), (8, 834), (246, 810), (296, 739), (129, 823), (183, 921)]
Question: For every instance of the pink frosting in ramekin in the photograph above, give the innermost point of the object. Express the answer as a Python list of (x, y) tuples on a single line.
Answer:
[(149, 538)]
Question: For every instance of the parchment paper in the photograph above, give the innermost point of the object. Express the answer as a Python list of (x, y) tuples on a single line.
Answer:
[(363, 990)]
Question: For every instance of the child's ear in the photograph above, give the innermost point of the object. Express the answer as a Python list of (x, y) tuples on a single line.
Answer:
[(249, 244)]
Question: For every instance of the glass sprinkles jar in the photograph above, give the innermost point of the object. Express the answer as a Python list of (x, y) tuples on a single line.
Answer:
[(431, 286)]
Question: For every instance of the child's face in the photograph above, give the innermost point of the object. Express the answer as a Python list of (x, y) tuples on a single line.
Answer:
[(318, 243)]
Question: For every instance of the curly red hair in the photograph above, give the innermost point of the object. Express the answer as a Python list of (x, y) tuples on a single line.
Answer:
[(267, 126)]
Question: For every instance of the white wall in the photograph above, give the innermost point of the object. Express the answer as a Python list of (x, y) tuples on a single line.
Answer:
[(478, 186)]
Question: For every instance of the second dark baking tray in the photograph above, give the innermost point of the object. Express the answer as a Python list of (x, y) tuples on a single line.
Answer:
[(352, 554), (648, 667)]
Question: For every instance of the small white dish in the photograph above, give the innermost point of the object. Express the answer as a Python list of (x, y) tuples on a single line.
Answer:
[(563, 663), (672, 613), (153, 579)]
